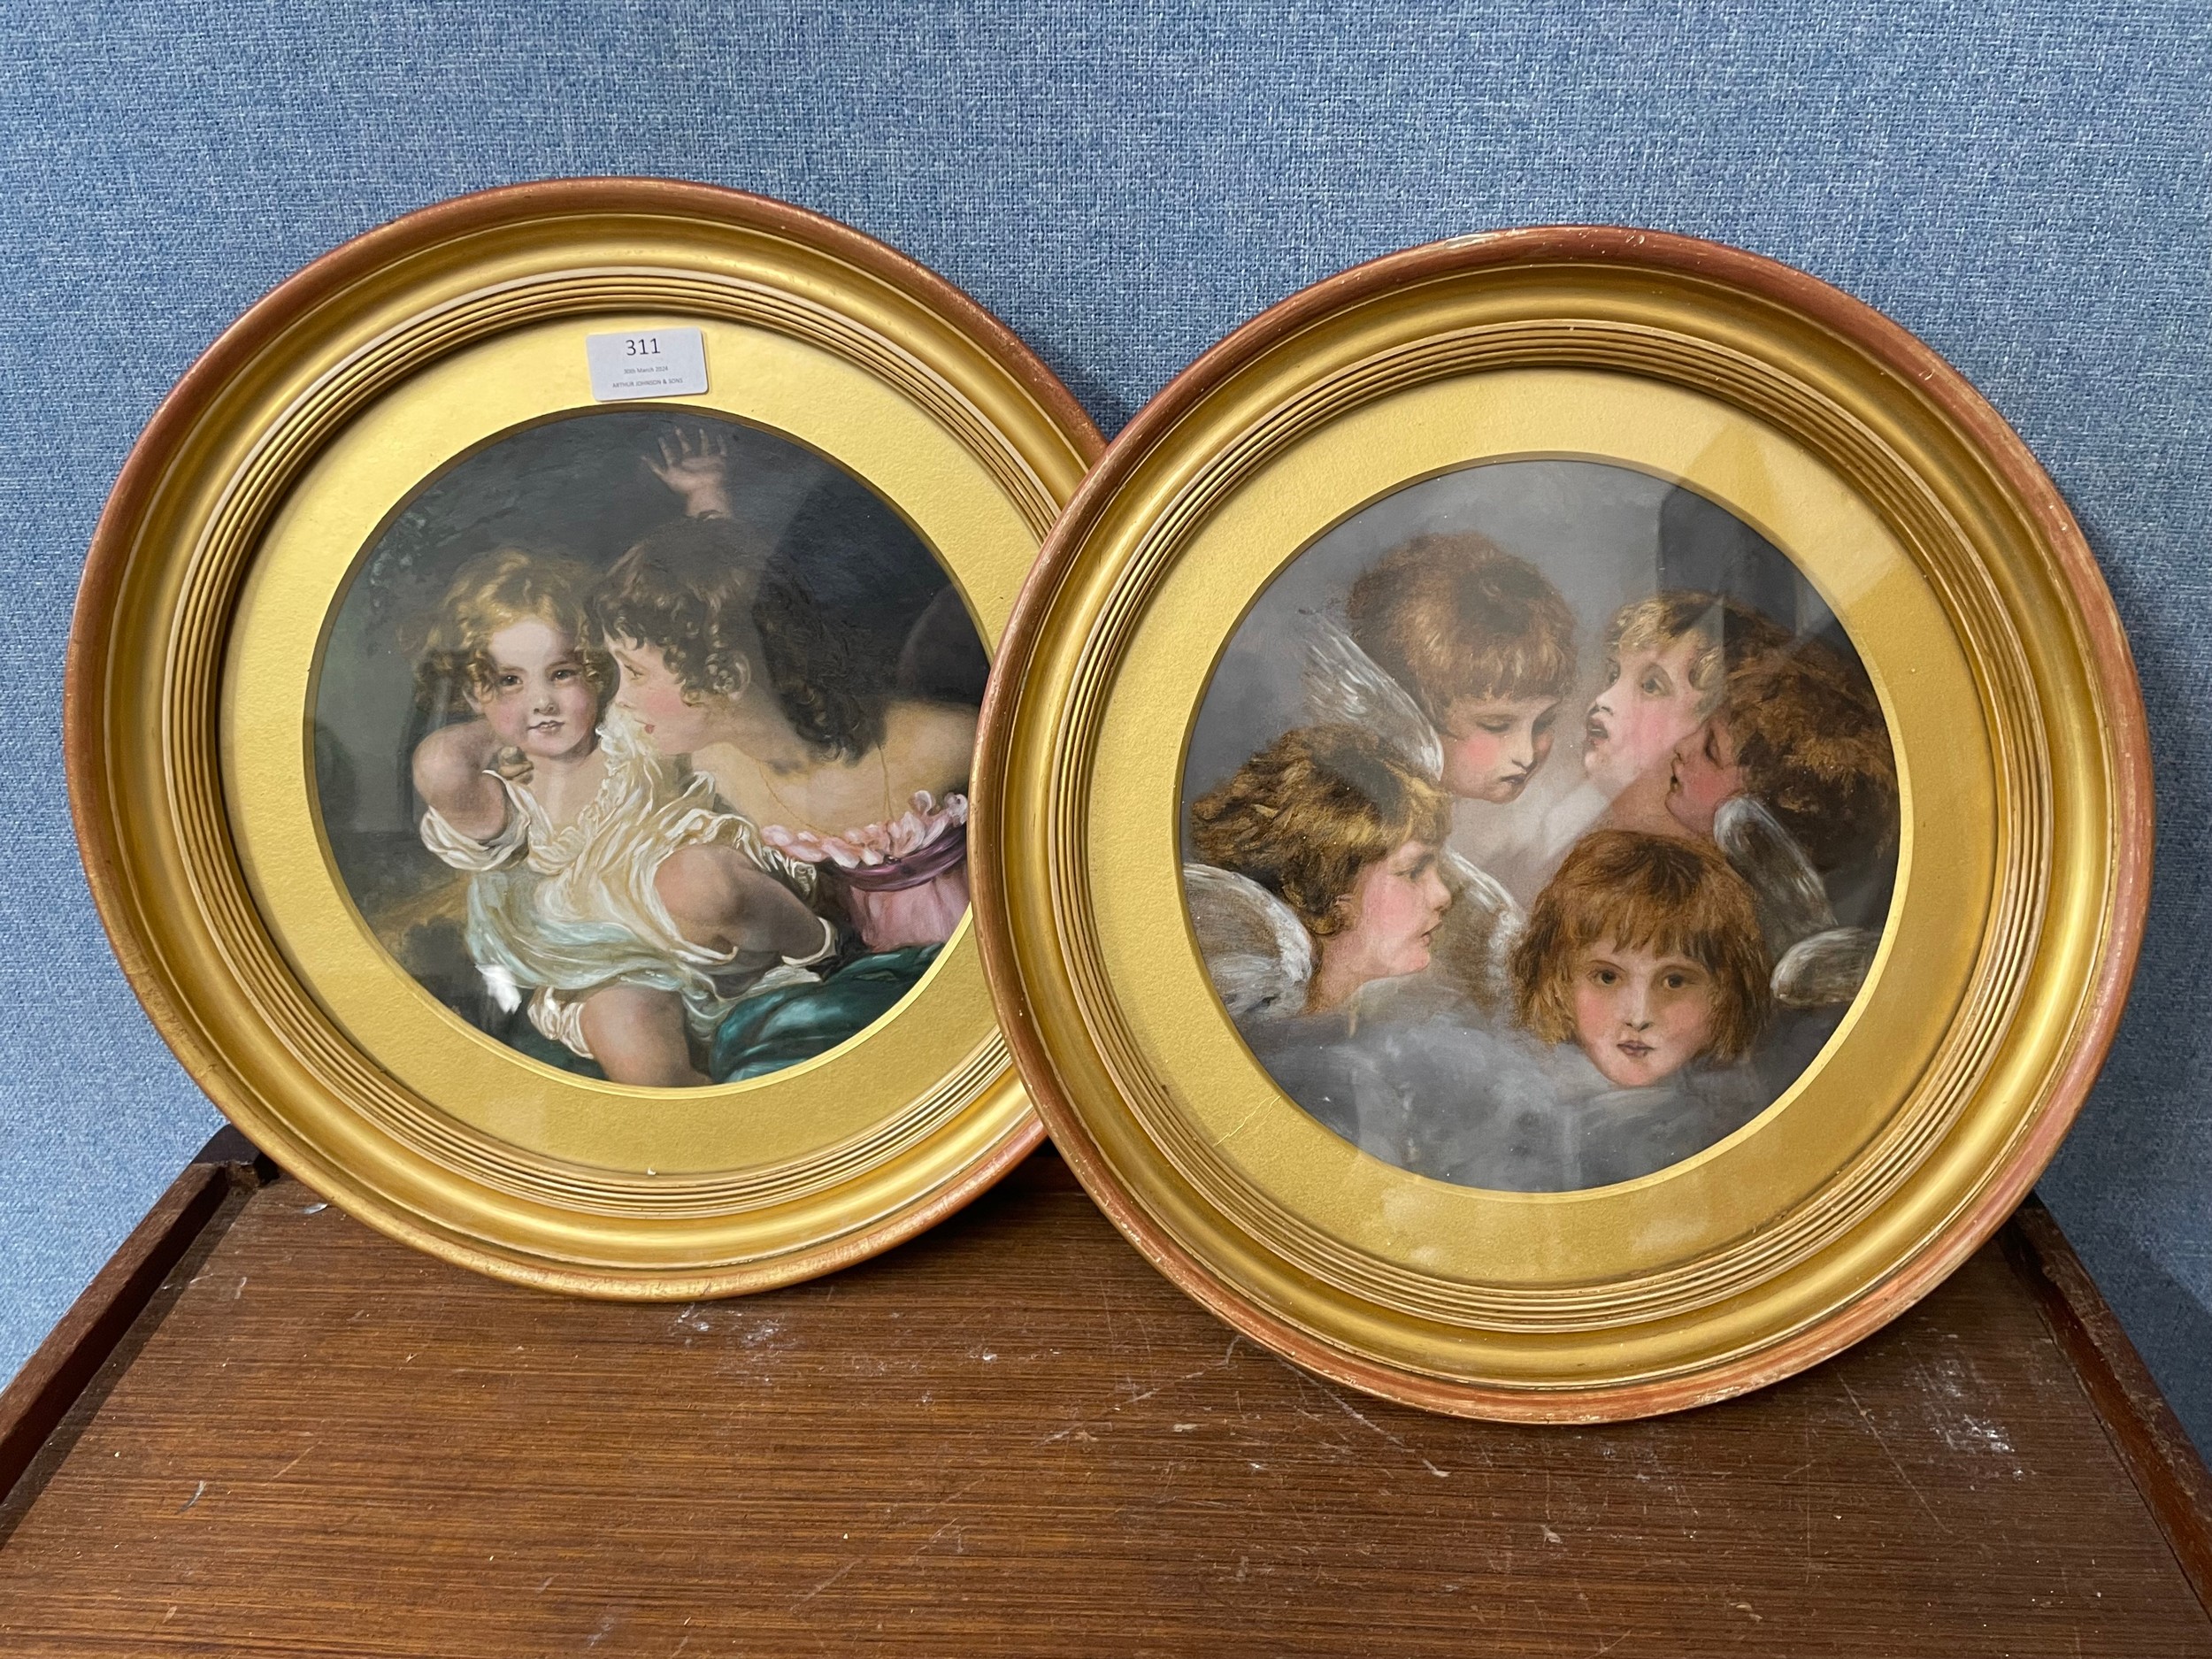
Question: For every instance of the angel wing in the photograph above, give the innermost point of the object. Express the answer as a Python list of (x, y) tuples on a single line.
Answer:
[(1825, 969), (1792, 904), (1474, 943), (1344, 686), (1259, 954)]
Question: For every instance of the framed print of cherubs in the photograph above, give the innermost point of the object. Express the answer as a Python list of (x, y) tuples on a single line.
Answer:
[(1654, 847), (520, 716)]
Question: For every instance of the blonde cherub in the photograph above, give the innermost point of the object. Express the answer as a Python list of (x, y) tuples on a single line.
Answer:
[(1667, 662)]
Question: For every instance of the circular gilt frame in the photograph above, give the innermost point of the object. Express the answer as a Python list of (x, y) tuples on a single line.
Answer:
[(152, 750), (2024, 762)]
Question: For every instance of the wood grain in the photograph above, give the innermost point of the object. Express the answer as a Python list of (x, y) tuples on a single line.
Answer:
[(2144, 1431), (56, 1375), (1012, 1436)]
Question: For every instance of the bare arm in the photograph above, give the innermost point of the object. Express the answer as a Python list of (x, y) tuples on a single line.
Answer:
[(449, 774), (719, 901)]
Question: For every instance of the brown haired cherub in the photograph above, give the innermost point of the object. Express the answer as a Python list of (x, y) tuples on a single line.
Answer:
[(1484, 645), (1645, 951), (1800, 730), (1333, 823), (729, 664)]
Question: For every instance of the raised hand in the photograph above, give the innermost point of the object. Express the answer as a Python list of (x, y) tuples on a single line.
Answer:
[(695, 461)]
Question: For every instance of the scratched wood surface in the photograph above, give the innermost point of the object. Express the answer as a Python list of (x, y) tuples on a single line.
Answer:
[(1011, 1436)]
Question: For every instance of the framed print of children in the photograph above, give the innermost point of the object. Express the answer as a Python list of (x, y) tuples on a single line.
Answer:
[(1732, 938), (545, 868)]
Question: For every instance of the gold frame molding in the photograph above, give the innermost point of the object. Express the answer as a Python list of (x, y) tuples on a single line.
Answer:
[(2024, 874), (171, 774)]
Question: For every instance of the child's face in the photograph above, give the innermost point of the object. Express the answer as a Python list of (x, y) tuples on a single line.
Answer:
[(1704, 775), (1393, 909), (674, 719), (1493, 745), (1647, 706), (541, 700), (1640, 1015)]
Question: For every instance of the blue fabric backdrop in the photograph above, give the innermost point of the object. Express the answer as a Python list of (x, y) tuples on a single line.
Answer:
[(2026, 188)]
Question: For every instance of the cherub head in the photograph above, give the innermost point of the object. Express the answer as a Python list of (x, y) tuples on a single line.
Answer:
[(1485, 645), (1799, 730), (510, 642), (1330, 819), (1667, 660), (1645, 951)]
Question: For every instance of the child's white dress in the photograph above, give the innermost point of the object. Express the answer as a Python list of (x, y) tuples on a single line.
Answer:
[(555, 914)]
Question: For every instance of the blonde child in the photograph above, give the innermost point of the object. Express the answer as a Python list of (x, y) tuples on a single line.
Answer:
[(614, 895), (1667, 663)]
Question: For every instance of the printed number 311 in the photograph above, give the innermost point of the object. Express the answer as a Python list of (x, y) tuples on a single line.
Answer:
[(641, 346)]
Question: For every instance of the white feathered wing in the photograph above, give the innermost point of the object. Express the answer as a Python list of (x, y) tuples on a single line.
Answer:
[(1473, 945), (1344, 686), (1256, 951), (1816, 963)]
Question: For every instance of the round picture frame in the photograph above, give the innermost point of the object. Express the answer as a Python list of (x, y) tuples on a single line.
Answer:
[(358, 485), (1984, 994)]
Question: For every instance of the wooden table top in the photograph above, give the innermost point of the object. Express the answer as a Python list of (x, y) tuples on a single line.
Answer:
[(1012, 1436)]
